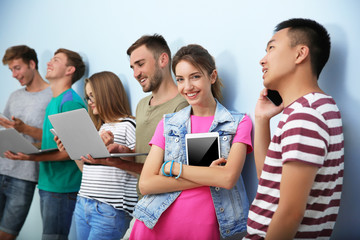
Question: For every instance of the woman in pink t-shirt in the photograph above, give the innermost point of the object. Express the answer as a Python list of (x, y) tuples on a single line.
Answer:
[(179, 202)]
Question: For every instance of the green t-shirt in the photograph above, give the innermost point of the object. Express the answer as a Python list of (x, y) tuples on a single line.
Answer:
[(59, 176)]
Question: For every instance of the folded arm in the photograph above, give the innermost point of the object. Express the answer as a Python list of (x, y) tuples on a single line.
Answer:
[(217, 175), (153, 182)]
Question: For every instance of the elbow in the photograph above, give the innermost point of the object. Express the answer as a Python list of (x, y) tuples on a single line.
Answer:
[(230, 181), (142, 187), (293, 215), (296, 216)]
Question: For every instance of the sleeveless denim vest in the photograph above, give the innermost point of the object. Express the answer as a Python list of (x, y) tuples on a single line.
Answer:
[(232, 205)]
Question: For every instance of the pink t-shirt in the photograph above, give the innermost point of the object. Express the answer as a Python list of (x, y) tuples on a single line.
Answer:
[(202, 124), (192, 214)]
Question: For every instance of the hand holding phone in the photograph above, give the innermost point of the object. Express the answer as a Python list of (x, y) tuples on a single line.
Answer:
[(274, 97), (53, 132)]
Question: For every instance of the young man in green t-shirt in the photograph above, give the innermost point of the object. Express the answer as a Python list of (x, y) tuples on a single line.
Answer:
[(59, 177)]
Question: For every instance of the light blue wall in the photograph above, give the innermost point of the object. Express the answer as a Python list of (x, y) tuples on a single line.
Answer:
[(235, 33)]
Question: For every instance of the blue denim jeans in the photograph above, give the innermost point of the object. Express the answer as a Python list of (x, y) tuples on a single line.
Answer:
[(56, 212), (15, 200), (99, 221)]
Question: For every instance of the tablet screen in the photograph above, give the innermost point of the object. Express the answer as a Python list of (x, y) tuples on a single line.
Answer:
[(202, 148)]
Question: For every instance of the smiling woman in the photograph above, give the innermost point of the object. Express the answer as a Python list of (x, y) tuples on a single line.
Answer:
[(174, 190)]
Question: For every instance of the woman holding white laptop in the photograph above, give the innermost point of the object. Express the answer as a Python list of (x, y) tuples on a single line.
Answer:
[(194, 202), (107, 194)]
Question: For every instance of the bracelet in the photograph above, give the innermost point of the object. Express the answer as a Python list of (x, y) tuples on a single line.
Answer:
[(179, 171), (163, 169), (171, 167)]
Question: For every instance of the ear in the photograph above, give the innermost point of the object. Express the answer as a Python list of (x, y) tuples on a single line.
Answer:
[(213, 76), (302, 53), (32, 64), (163, 60), (70, 70)]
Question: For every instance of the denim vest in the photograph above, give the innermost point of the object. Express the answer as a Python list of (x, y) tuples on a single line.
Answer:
[(232, 205)]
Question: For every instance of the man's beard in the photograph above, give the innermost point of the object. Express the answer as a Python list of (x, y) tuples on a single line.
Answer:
[(155, 81)]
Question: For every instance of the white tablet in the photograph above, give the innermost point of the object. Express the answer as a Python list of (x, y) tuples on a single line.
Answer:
[(202, 148)]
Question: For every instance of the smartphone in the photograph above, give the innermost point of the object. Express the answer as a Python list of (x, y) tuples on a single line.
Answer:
[(3, 116), (274, 97), (53, 132)]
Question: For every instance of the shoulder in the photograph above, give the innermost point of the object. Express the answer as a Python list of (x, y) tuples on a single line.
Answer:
[(47, 91), (128, 122), (71, 101), (183, 111), (305, 120), (245, 119), (17, 93)]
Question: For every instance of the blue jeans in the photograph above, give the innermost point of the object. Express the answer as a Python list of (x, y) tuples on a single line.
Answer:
[(99, 221), (56, 212), (15, 200)]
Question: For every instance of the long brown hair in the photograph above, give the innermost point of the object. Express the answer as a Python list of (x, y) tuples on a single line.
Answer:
[(202, 60), (110, 98)]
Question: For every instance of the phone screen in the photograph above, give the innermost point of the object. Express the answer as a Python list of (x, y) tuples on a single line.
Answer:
[(274, 97)]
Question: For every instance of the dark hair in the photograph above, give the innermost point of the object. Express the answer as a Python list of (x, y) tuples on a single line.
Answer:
[(21, 51), (75, 60), (313, 35), (155, 43), (202, 60), (110, 98)]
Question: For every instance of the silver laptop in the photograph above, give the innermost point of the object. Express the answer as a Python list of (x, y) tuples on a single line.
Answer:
[(12, 140), (79, 136)]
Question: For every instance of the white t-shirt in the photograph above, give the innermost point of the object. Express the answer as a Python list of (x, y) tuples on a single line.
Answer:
[(109, 184)]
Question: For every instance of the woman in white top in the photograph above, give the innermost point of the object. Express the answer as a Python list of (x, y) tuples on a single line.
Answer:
[(107, 194)]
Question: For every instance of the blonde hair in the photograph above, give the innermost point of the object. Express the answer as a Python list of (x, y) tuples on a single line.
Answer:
[(110, 98)]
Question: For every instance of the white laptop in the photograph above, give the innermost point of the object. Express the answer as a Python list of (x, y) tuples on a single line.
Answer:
[(79, 136), (12, 140), (202, 148)]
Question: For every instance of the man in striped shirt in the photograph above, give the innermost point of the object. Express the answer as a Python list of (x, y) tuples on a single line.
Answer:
[(301, 168)]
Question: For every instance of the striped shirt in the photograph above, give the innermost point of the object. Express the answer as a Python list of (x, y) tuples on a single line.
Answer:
[(309, 131), (109, 184)]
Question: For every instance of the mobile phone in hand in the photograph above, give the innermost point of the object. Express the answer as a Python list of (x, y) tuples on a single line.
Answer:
[(53, 132), (274, 97)]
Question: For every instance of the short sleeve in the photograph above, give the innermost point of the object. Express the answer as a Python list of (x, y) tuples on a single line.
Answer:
[(130, 135), (305, 137), (158, 139), (243, 133)]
